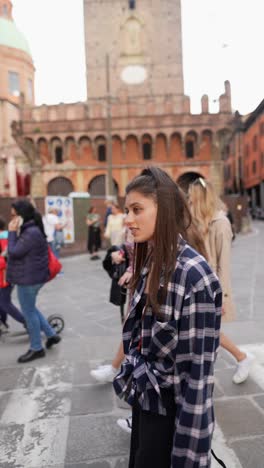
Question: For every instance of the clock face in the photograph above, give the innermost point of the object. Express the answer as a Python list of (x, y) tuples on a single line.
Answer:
[(134, 74)]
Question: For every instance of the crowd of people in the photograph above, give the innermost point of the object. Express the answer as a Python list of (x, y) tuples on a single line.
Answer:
[(169, 253)]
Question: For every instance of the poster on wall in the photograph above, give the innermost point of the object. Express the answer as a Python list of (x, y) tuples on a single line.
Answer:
[(64, 207)]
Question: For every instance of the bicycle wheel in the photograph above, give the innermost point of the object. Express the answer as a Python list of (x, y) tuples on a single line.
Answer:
[(56, 321)]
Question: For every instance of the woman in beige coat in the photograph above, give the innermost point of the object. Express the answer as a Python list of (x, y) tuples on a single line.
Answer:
[(208, 212)]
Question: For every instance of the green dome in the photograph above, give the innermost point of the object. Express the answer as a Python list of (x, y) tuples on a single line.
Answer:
[(10, 36)]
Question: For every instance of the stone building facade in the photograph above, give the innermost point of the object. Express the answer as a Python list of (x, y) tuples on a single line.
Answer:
[(122, 126), (244, 164), (16, 83)]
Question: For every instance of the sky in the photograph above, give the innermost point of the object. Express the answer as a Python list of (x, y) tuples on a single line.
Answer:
[(222, 39)]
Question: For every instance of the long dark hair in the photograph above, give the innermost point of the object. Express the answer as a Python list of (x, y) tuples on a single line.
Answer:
[(173, 218), (26, 210)]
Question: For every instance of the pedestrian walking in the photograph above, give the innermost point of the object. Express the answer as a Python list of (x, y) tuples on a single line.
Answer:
[(7, 308), (108, 211), (215, 228), (54, 230), (116, 263), (93, 220), (28, 269), (171, 334), (115, 229)]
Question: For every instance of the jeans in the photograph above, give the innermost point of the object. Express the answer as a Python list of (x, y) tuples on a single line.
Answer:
[(55, 248), (36, 322), (7, 308)]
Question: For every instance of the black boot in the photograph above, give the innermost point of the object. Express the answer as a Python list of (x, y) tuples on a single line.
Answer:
[(52, 340), (31, 355)]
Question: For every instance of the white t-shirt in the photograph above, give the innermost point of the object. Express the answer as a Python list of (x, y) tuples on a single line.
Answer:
[(49, 222)]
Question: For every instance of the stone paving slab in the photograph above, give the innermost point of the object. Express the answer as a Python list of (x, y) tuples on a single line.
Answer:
[(91, 399), (239, 417), (250, 452), (82, 374), (229, 389), (4, 397), (260, 401), (48, 450), (15, 378), (94, 437)]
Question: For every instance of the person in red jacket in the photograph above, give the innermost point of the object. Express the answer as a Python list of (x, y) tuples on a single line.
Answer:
[(6, 306)]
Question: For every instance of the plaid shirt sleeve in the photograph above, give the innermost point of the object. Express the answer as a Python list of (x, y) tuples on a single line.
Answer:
[(200, 325)]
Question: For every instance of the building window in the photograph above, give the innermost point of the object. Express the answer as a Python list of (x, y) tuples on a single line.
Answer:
[(146, 148), (255, 143), (262, 128), (30, 91), (13, 83), (58, 155), (101, 153), (189, 149), (132, 4), (254, 167)]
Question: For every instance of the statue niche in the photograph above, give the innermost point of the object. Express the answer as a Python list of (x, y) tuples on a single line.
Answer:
[(132, 38)]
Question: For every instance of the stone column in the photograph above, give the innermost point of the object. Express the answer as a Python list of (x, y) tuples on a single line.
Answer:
[(216, 169), (37, 186), (216, 176), (11, 171), (2, 175)]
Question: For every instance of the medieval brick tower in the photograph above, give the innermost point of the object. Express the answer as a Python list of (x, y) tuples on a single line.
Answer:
[(145, 33), (124, 126)]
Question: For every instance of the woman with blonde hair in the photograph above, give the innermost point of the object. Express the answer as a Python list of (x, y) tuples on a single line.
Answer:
[(115, 230), (211, 220)]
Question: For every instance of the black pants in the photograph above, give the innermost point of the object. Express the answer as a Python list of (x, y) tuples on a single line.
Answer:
[(152, 435)]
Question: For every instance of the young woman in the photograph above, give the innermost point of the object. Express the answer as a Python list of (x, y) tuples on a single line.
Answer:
[(115, 230), (211, 219), (171, 334), (28, 269)]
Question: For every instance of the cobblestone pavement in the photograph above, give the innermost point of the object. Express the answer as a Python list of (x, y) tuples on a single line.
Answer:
[(54, 415)]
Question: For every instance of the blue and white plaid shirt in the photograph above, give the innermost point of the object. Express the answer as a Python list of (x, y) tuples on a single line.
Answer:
[(178, 350)]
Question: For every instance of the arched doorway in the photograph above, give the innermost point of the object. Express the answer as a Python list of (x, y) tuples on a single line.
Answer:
[(60, 186), (96, 187), (186, 179)]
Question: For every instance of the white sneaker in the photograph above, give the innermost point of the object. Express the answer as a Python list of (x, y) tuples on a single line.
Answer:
[(125, 424), (104, 374), (243, 368)]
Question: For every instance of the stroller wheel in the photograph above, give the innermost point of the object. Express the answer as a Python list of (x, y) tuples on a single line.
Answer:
[(56, 321)]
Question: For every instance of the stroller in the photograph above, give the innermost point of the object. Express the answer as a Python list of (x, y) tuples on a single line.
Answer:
[(55, 320), (115, 271)]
